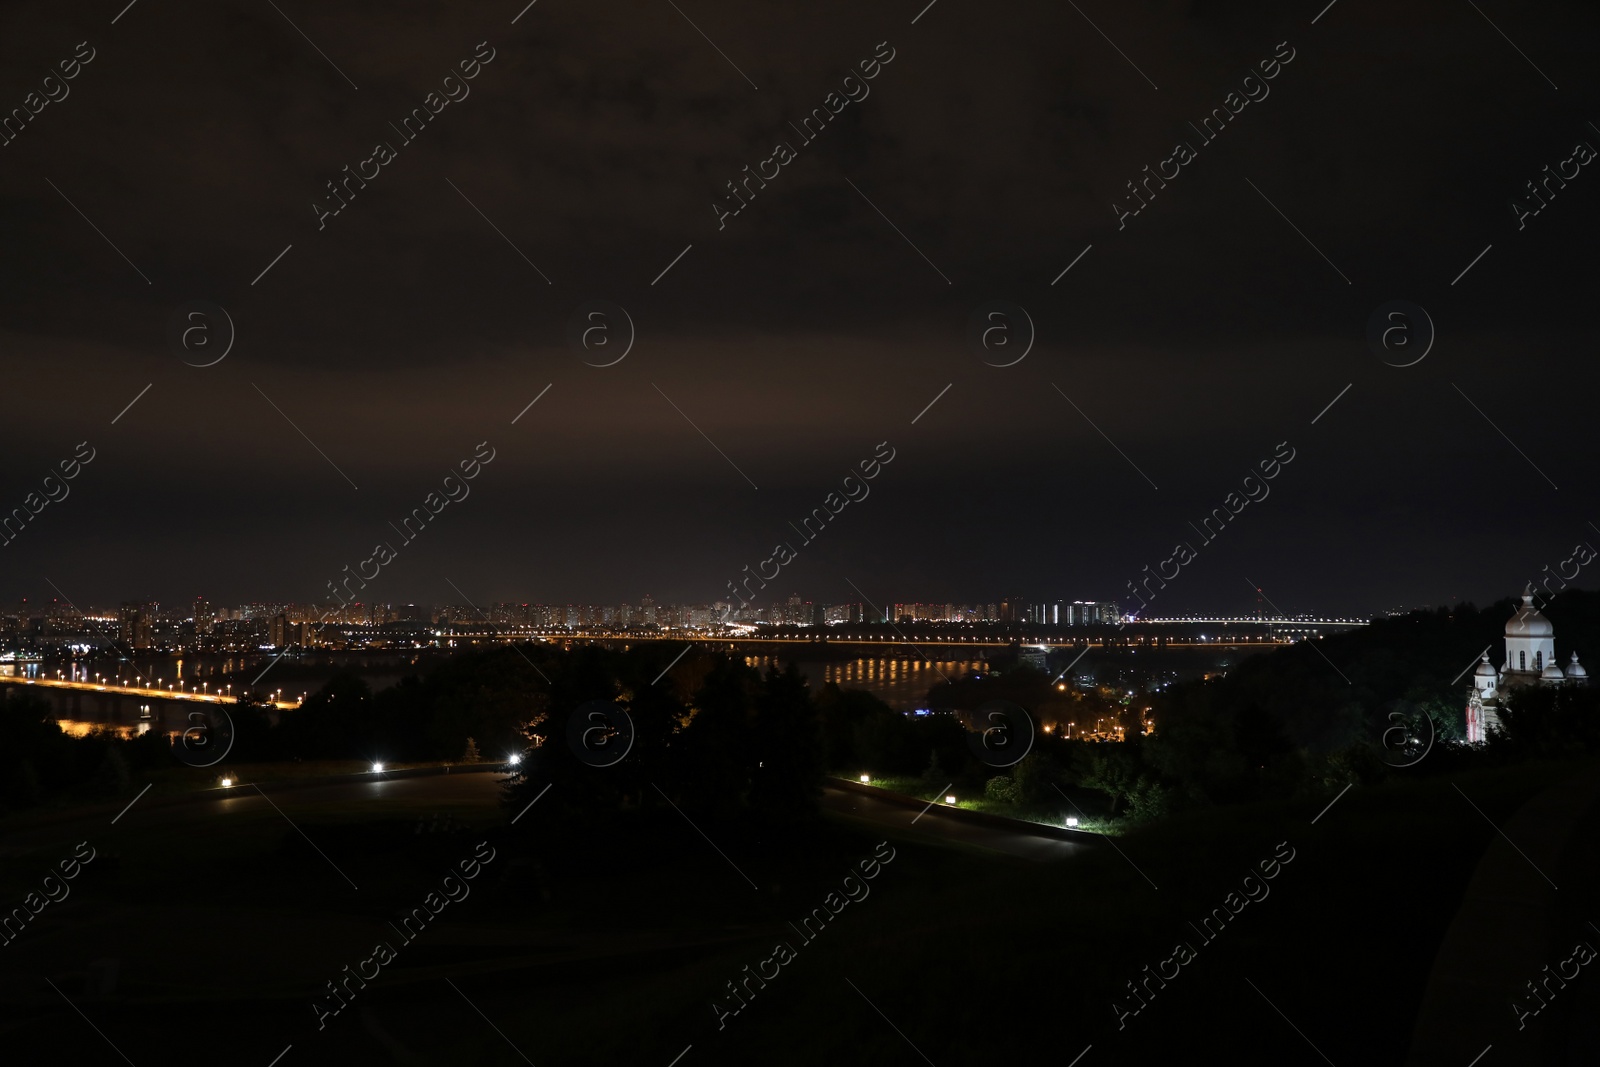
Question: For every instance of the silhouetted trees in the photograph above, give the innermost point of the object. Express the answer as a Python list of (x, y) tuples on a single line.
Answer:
[(736, 741), (40, 762)]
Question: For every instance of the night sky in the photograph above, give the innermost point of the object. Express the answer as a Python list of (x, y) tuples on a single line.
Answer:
[(779, 350)]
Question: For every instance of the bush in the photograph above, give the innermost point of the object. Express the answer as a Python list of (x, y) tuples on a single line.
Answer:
[(1148, 799), (1002, 789), (1035, 777)]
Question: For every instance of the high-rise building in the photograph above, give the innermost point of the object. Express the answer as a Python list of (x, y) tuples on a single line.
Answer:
[(283, 632), (135, 621), (1052, 612)]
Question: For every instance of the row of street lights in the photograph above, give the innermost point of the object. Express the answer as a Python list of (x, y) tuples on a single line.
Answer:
[(159, 686)]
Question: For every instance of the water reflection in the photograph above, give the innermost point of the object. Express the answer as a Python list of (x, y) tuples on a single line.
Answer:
[(78, 728), (902, 684)]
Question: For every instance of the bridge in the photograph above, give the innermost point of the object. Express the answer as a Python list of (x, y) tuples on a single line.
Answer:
[(126, 705), (909, 639), (1312, 624)]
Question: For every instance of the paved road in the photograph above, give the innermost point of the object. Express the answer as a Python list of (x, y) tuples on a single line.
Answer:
[(935, 824), (447, 790)]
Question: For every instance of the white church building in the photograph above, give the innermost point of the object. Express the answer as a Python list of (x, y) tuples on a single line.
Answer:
[(1530, 660)]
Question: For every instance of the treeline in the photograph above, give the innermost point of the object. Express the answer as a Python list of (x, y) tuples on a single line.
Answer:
[(1382, 701), (41, 762), (712, 736), (709, 733)]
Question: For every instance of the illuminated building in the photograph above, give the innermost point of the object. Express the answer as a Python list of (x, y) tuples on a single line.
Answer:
[(1530, 660), (135, 628), (204, 615)]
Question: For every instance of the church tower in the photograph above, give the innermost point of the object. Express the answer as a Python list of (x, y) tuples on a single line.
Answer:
[(1483, 702), (1530, 660)]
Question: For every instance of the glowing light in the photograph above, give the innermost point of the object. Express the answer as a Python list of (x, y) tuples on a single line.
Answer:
[(951, 799), (227, 783), (377, 768), (1072, 820), (515, 760), (866, 778)]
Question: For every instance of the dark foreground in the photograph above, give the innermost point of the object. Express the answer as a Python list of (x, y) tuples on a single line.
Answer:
[(210, 932)]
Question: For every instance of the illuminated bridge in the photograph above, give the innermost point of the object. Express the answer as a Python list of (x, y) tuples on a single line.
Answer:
[(127, 705)]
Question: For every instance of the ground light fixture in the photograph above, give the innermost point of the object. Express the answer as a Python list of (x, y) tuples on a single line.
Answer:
[(866, 778), (951, 799), (1072, 820), (377, 768), (227, 783)]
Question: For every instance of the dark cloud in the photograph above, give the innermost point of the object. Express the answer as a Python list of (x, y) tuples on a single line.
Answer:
[(808, 328)]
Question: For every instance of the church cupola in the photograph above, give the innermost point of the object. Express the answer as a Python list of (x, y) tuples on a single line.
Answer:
[(1530, 640), (1484, 678)]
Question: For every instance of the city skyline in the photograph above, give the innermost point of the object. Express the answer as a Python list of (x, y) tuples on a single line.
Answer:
[(794, 609)]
